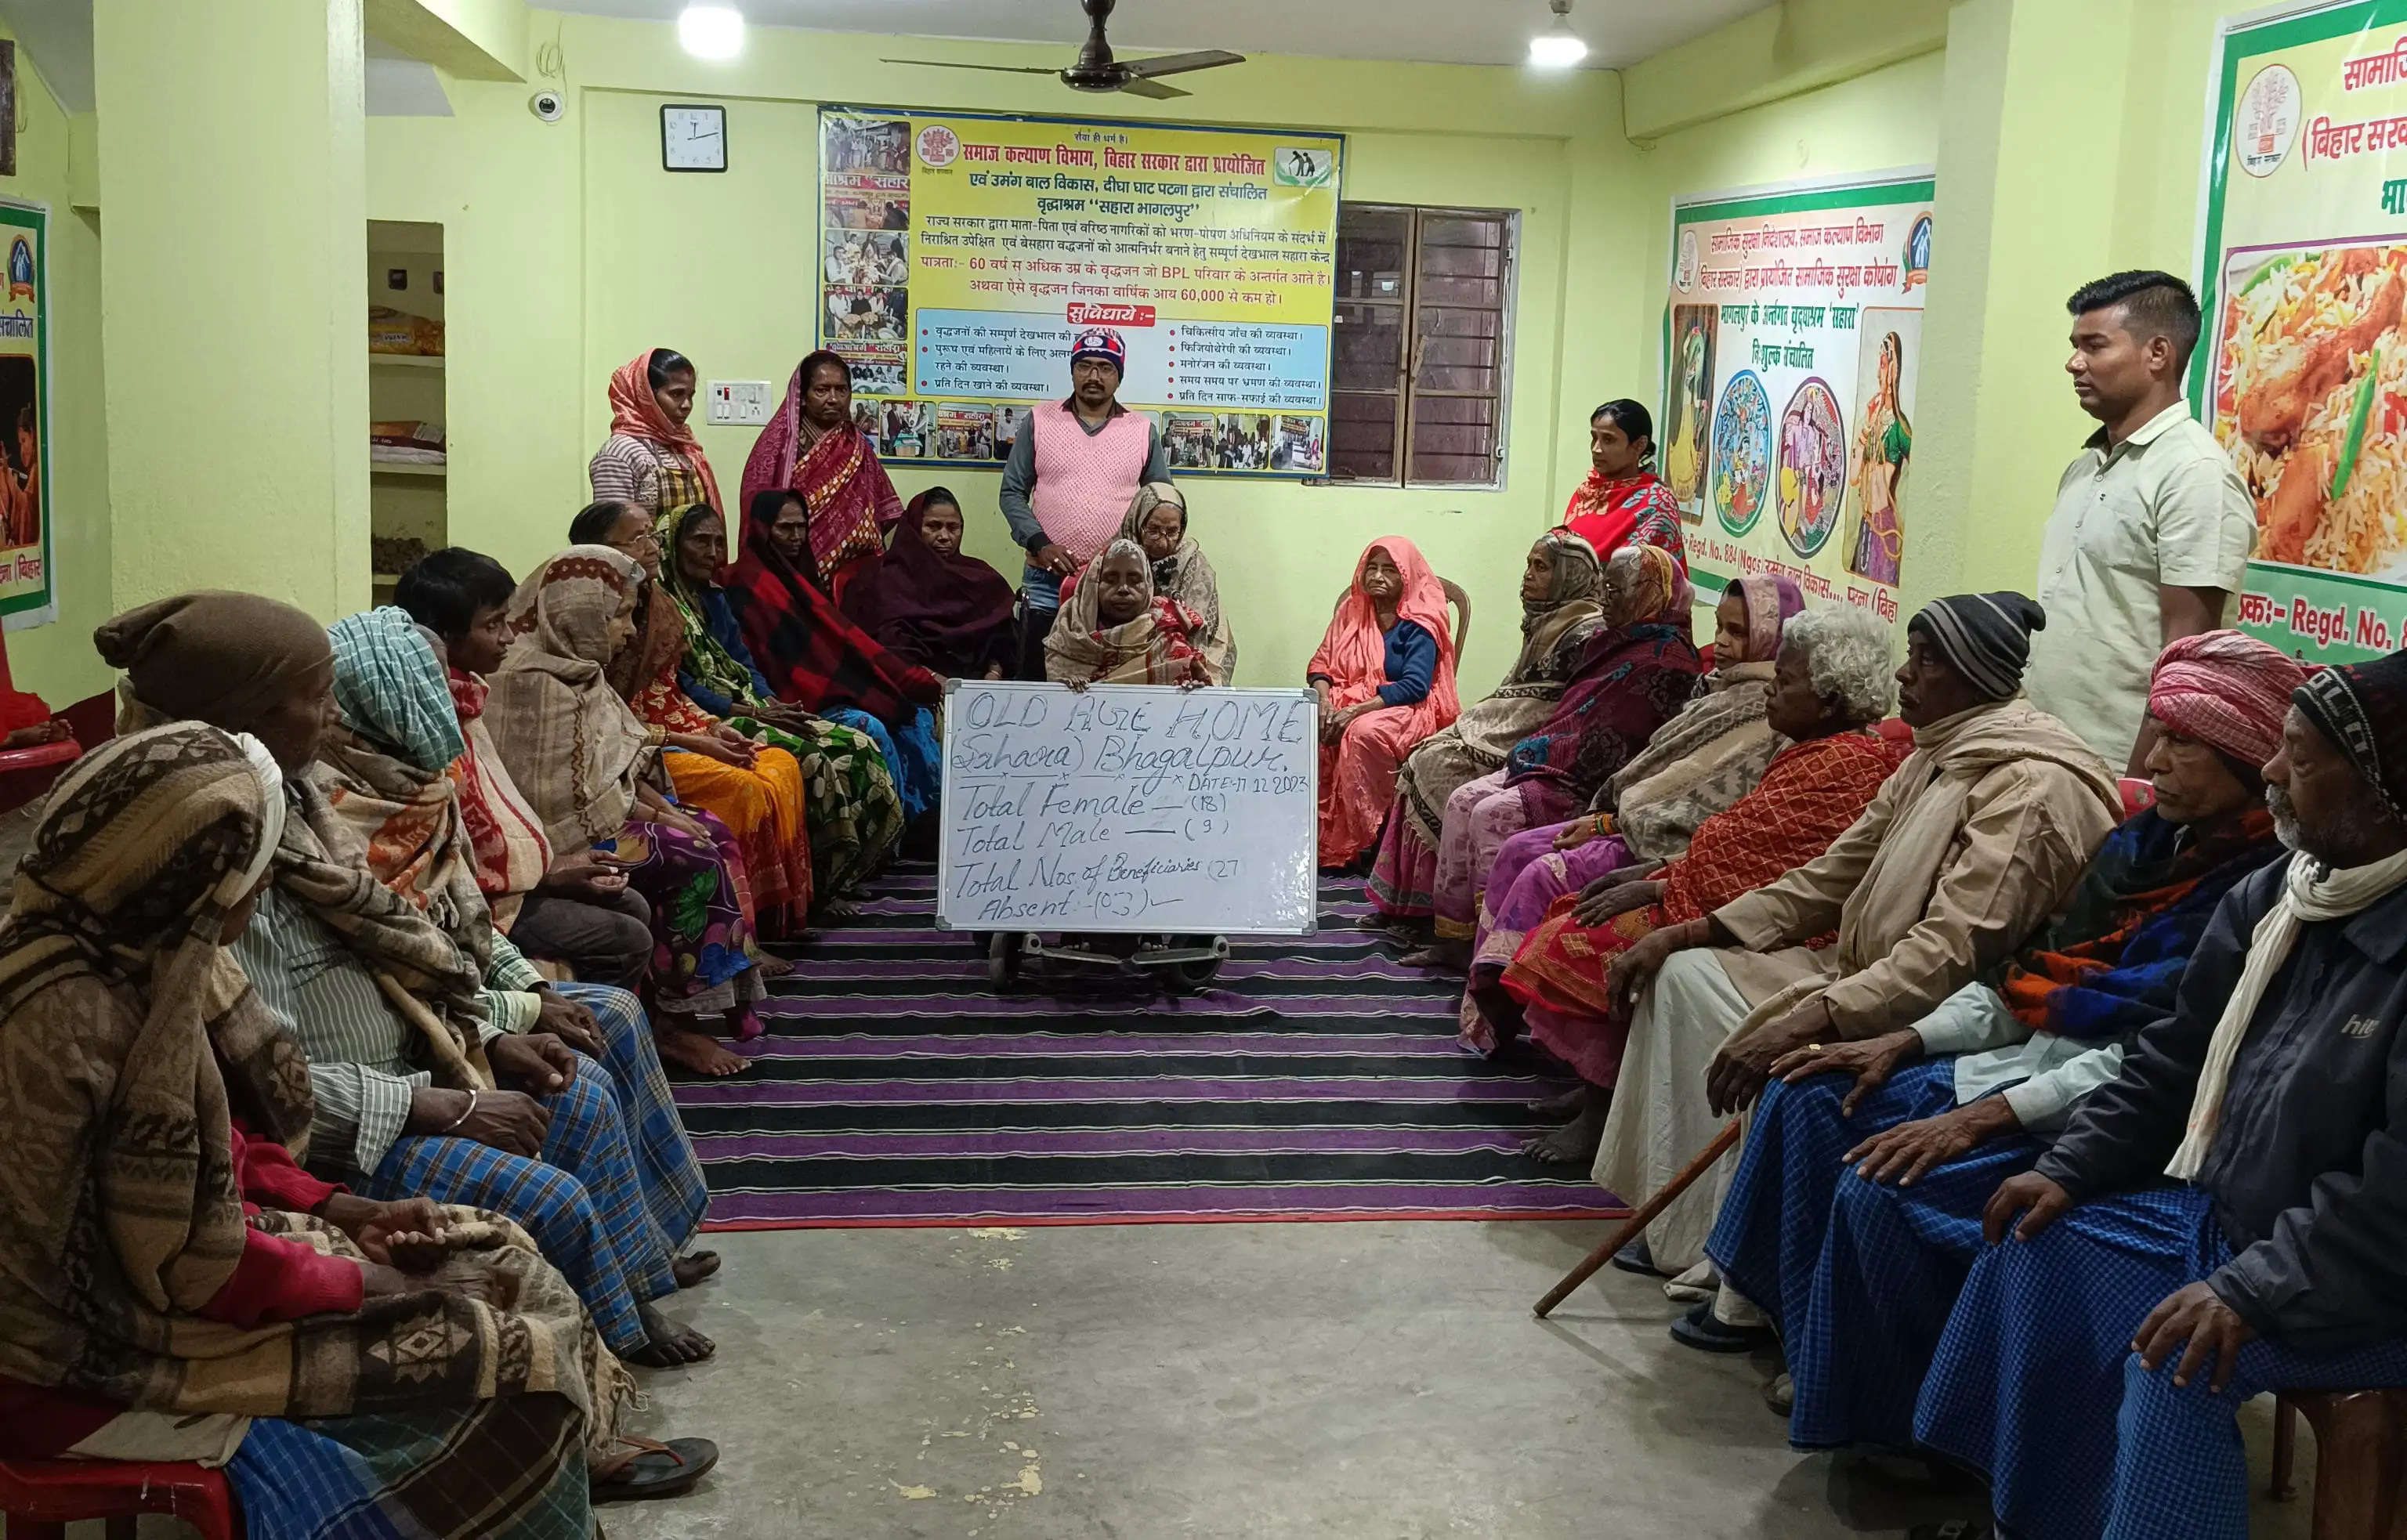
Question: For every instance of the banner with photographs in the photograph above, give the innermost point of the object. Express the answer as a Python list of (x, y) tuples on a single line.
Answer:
[(960, 252), (28, 588), (2302, 270), (1792, 345)]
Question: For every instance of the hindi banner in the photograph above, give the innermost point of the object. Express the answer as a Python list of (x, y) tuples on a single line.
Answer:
[(1792, 344), (28, 596), (2302, 268), (960, 253)]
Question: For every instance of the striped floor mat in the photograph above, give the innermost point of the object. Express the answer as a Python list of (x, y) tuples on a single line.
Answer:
[(1313, 1080)]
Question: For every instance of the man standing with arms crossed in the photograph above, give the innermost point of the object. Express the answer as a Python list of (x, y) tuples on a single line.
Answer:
[(2152, 527), (1073, 475)]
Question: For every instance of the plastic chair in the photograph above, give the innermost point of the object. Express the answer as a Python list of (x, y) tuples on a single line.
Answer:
[(2361, 1443), (2138, 796), (39, 1498)]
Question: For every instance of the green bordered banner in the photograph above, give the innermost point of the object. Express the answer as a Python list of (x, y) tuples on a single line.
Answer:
[(1792, 343), (2302, 274), (960, 254), (28, 594)]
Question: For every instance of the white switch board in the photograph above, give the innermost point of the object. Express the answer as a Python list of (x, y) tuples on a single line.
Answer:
[(736, 404)]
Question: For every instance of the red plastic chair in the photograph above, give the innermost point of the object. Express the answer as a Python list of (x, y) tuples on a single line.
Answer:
[(39, 1498), (2138, 796)]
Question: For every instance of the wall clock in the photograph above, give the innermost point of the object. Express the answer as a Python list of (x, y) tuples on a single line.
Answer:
[(693, 138)]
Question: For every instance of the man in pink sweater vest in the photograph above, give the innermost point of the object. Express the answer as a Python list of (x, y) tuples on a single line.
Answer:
[(1073, 473)]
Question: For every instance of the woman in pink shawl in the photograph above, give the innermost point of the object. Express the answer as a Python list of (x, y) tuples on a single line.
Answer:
[(812, 448), (651, 459), (1385, 675)]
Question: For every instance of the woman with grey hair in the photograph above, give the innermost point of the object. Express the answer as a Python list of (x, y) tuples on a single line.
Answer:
[(1698, 763), (1830, 684)]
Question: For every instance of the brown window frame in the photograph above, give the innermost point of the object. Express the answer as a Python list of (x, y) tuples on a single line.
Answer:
[(1409, 306)]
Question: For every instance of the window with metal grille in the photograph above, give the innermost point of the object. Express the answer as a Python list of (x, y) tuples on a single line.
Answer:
[(1424, 346)]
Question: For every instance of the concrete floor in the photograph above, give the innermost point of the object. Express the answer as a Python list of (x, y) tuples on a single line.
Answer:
[(1374, 1380)]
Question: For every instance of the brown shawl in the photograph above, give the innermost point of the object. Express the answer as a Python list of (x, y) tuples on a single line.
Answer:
[(1698, 764), (1186, 576), (128, 1041), (571, 744), (1553, 629)]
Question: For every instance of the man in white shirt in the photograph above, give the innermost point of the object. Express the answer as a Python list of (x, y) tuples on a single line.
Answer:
[(2153, 526)]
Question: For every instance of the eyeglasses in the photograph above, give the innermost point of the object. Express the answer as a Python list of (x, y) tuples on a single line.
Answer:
[(636, 542)]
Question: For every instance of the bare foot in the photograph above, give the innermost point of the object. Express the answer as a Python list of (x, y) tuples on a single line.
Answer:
[(1565, 1106), (836, 911), (772, 967), (1409, 933), (690, 1049), (1440, 958), (693, 1267), (671, 1346), (1575, 1142)]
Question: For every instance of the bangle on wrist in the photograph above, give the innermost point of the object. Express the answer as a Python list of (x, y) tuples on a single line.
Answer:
[(463, 1117)]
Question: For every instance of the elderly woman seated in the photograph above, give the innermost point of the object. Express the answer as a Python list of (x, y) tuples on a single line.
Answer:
[(1940, 1111), (1831, 680), (1695, 765), (1631, 676), (419, 1092), (1115, 629), (1974, 841), (174, 1287)]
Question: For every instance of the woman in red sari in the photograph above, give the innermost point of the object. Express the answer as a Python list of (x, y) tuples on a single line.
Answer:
[(811, 446), (1623, 502), (1385, 675), (1830, 683)]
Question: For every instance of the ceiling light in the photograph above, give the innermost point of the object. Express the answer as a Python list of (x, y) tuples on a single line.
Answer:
[(712, 32), (1559, 47)]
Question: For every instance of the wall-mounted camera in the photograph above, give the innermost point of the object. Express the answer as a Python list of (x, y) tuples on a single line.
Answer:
[(548, 106)]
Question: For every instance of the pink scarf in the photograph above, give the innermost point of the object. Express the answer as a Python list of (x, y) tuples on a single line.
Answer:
[(634, 412)]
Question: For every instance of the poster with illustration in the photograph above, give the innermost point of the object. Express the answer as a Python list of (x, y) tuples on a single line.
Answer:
[(1791, 327), (1889, 358), (1688, 404), (2302, 270), (27, 590)]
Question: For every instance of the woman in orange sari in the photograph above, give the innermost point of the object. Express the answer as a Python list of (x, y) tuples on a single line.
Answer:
[(812, 448), (1385, 675)]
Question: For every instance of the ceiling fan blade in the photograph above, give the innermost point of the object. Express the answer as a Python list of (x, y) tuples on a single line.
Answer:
[(1178, 63), (999, 69), (1137, 85)]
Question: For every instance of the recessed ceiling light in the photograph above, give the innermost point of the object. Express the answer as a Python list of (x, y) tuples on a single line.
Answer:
[(711, 32), (1559, 47)]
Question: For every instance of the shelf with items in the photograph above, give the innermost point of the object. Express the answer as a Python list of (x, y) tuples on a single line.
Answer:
[(406, 468), (404, 360)]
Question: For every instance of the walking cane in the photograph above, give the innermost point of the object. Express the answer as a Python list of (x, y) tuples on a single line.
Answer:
[(1636, 1223)]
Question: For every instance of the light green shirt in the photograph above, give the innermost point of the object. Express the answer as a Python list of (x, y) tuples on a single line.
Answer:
[(2162, 508), (2041, 1073)]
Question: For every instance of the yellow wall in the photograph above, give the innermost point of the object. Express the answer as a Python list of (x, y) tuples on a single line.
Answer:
[(57, 661)]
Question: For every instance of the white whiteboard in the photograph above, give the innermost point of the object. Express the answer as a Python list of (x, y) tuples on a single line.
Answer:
[(1129, 808)]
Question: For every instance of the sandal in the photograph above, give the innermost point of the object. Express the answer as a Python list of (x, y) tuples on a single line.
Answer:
[(658, 1470), (1700, 1329)]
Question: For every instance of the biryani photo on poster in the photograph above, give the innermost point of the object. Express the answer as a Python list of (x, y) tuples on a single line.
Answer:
[(2310, 399), (20, 479), (1688, 410)]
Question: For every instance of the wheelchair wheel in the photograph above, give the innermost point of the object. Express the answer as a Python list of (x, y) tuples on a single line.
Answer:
[(1187, 978), (1001, 959)]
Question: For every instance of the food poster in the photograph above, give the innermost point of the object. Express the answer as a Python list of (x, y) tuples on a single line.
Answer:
[(2303, 269), (960, 253), (1792, 343), (28, 596)]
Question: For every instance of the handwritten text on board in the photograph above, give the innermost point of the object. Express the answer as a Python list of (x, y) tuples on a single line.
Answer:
[(1128, 808)]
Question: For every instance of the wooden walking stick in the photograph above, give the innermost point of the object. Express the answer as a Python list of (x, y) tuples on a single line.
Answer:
[(1635, 1225)]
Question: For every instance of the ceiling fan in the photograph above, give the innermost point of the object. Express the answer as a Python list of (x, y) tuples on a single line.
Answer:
[(1095, 69)]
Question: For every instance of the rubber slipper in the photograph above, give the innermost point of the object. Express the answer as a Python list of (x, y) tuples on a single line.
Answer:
[(1636, 1258), (1698, 1328), (661, 1470)]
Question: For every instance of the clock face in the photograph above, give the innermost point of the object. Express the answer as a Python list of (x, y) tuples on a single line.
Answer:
[(694, 138)]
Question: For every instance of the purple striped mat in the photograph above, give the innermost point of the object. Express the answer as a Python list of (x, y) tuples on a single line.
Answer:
[(1312, 1079)]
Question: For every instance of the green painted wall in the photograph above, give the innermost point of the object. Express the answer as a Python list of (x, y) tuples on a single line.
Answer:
[(57, 661), (568, 250)]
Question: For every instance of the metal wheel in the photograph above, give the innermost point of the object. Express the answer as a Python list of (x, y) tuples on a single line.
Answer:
[(1001, 959), (1186, 978)]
